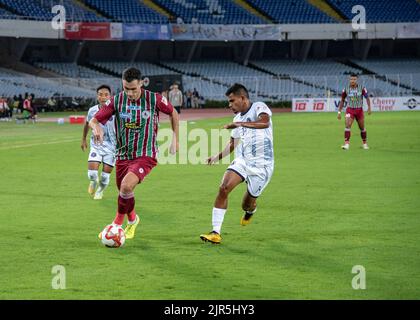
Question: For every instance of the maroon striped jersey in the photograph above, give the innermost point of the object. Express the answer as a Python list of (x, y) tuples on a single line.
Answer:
[(136, 123), (355, 96)]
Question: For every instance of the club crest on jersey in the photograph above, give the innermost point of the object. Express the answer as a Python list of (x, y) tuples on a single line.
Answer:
[(141, 170), (145, 114), (107, 102), (93, 154)]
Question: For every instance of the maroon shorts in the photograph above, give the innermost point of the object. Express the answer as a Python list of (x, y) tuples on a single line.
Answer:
[(355, 113), (141, 167)]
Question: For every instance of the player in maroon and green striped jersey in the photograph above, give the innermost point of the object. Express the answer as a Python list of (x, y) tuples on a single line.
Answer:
[(136, 113), (354, 110)]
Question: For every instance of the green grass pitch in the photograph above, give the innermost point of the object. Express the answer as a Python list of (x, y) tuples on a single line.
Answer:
[(325, 211)]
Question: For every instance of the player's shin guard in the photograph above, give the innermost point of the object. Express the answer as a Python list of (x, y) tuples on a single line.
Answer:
[(104, 180), (217, 219), (347, 133), (93, 175), (363, 134)]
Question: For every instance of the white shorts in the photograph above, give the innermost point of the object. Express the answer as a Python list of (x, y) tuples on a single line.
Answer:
[(256, 178), (98, 155)]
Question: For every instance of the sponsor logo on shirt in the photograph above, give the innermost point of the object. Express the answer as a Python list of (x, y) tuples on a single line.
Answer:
[(134, 107), (125, 115), (132, 125)]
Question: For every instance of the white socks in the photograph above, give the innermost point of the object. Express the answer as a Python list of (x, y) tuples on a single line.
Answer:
[(93, 175), (104, 180), (217, 219)]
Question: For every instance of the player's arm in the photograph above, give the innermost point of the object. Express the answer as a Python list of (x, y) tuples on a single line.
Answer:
[(365, 94), (174, 117), (85, 132), (102, 116), (263, 122), (231, 145), (341, 104), (164, 106)]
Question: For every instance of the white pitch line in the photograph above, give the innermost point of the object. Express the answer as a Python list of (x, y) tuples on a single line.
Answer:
[(37, 144)]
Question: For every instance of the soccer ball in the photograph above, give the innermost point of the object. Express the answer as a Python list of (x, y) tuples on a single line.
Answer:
[(112, 236)]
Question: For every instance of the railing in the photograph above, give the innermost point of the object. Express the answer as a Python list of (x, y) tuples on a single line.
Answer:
[(285, 88), (269, 88)]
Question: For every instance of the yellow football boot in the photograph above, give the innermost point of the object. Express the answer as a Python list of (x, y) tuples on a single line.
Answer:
[(212, 237), (246, 219), (130, 229)]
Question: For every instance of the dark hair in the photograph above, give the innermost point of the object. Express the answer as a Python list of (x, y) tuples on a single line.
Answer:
[(237, 89), (131, 74), (103, 86), (353, 75)]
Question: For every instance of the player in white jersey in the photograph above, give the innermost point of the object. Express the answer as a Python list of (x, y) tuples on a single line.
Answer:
[(252, 140), (103, 153)]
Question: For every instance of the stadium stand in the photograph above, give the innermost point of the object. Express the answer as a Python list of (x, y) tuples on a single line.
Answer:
[(4, 14), (209, 11), (41, 10), (265, 86), (291, 11), (14, 83), (127, 11), (147, 68), (71, 70), (381, 11), (403, 71)]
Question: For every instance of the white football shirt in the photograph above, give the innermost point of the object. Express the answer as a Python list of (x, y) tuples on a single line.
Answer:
[(256, 145), (110, 140)]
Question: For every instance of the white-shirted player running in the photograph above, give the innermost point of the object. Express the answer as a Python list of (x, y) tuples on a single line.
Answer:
[(104, 153), (252, 140)]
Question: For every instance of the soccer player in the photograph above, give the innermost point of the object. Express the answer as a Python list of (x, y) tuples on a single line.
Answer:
[(136, 113), (103, 153), (354, 94), (252, 140)]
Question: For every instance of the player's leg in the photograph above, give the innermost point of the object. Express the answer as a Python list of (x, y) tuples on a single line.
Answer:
[(363, 134), (347, 130), (137, 172), (256, 182), (230, 180), (249, 205), (108, 161), (93, 167)]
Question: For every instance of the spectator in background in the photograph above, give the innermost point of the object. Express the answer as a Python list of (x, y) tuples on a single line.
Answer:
[(4, 109), (51, 103), (201, 102), (195, 97), (20, 104), (15, 105), (34, 112), (175, 98), (27, 107), (189, 98)]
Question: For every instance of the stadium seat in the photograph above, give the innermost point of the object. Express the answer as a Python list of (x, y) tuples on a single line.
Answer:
[(130, 11), (209, 11), (291, 11), (381, 11)]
